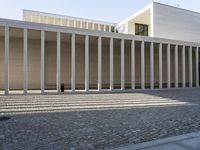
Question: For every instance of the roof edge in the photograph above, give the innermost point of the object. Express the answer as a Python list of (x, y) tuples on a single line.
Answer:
[(177, 7), (69, 17), (149, 6)]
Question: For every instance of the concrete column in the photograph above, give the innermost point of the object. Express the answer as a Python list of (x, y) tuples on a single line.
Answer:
[(110, 29), (190, 66), (74, 24), (197, 66), (31, 18), (86, 62), (99, 64), (142, 66), (111, 64), (122, 65), (183, 66), (42, 61), (81, 24), (99, 27), (6, 60), (87, 25), (39, 19), (73, 63), (176, 65), (168, 67), (68, 23), (133, 64), (54, 20), (25, 61), (58, 62), (160, 67), (93, 26), (152, 65), (62, 22), (47, 20), (104, 27)]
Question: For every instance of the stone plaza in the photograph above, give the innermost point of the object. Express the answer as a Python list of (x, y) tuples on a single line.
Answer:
[(96, 121)]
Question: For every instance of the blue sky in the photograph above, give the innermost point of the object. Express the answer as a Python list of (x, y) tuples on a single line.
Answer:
[(105, 10)]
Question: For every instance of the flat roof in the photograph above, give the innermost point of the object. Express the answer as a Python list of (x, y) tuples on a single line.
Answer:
[(57, 28), (176, 7), (69, 17), (149, 7)]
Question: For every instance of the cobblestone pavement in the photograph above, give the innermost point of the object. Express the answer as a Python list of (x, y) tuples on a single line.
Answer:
[(96, 121)]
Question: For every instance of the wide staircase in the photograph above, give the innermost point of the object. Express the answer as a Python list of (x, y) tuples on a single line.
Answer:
[(20, 104)]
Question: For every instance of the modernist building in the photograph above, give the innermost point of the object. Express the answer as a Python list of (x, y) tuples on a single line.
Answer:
[(156, 48)]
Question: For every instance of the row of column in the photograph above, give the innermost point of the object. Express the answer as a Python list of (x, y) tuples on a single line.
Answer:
[(74, 23), (93, 26), (87, 25), (73, 73)]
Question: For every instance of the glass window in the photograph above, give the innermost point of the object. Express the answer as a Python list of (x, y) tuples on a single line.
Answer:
[(141, 29)]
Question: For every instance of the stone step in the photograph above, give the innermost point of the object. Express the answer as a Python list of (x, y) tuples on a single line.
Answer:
[(48, 104), (78, 98), (90, 107), (84, 101), (51, 103), (81, 99)]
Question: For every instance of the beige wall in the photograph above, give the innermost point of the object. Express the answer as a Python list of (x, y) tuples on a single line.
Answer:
[(45, 18), (16, 62)]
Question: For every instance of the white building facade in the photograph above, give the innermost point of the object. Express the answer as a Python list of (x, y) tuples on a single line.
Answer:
[(165, 22), (156, 48)]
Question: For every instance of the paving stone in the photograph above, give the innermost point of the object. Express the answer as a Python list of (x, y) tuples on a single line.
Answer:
[(97, 121), (2, 137)]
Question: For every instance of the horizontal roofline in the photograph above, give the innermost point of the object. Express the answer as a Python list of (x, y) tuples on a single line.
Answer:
[(69, 17), (56, 28), (149, 6), (177, 7)]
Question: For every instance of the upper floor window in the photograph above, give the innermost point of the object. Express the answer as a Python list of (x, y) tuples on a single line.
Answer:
[(141, 29)]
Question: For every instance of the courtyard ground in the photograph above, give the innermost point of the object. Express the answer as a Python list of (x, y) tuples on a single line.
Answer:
[(96, 121)]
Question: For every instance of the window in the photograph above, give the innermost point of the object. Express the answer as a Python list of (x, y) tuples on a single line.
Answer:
[(141, 29)]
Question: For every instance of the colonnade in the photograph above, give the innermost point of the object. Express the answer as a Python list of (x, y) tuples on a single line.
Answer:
[(111, 73)]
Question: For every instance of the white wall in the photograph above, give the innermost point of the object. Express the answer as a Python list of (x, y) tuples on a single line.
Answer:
[(175, 23), (141, 17)]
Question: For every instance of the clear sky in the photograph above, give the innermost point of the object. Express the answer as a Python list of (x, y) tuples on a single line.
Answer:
[(105, 10)]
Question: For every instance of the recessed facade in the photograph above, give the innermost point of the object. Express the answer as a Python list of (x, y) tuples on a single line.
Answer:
[(67, 21), (152, 49)]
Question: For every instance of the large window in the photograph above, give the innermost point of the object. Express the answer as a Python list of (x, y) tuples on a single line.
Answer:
[(141, 29)]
